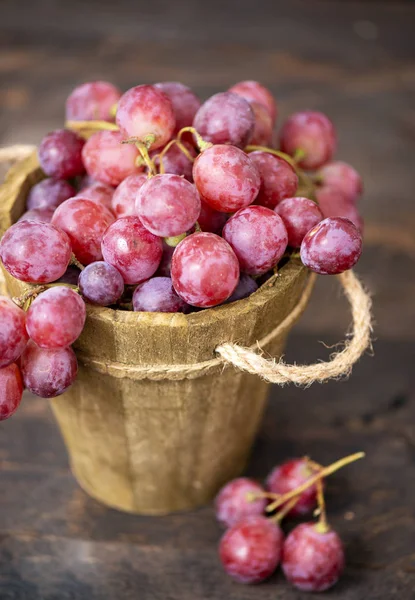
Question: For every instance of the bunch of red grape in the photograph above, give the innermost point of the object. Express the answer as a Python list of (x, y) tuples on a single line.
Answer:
[(153, 201)]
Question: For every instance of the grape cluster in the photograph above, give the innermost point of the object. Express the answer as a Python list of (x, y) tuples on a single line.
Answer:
[(155, 201)]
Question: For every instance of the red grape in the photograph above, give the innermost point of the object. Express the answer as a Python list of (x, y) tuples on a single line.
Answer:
[(185, 102), (48, 372), (49, 193), (56, 318), (332, 246), (164, 267), (312, 560), (210, 219), (255, 92), (312, 133), (204, 270), (263, 128), (85, 222), (250, 550), (226, 178), (278, 178), (289, 476), (35, 252), (168, 205), (145, 110), (98, 192), (299, 216), (60, 154), (11, 390), (129, 247), (92, 101), (101, 283), (225, 118), (123, 200), (107, 159), (176, 162), (245, 288), (13, 336), (157, 295), (258, 237), (342, 177), (39, 215), (333, 203), (233, 503)]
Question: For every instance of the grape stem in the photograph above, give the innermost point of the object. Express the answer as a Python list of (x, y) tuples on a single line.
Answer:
[(88, 128), (299, 154), (75, 262), (166, 148), (174, 241), (201, 143), (142, 147), (278, 153), (25, 300)]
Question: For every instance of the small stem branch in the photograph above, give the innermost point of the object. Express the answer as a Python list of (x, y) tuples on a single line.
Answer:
[(143, 147), (75, 262), (201, 143), (174, 241), (25, 300), (87, 128), (322, 521), (282, 155), (285, 510)]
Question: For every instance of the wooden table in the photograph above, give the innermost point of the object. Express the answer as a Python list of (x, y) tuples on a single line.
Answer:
[(352, 60)]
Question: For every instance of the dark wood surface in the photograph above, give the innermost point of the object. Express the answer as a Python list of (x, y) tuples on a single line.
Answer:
[(353, 60)]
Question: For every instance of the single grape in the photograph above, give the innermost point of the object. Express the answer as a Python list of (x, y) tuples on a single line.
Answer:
[(225, 118), (332, 246), (311, 133), (258, 237), (13, 335), (234, 501), (263, 128), (226, 178), (11, 390), (204, 270), (60, 154), (278, 178), (107, 159), (85, 222), (157, 295), (123, 200), (185, 103), (333, 203), (98, 192), (312, 560), (210, 219), (250, 550), (299, 216), (70, 276), (35, 252), (245, 288), (129, 247), (168, 205), (39, 215), (176, 162), (164, 267), (56, 318), (48, 372), (101, 283), (146, 111), (49, 193), (342, 177), (289, 476), (255, 92), (92, 101)]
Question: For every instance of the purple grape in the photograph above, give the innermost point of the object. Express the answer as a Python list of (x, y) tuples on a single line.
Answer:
[(157, 295), (48, 372), (60, 154), (101, 283), (299, 216), (49, 193), (312, 134), (245, 288)]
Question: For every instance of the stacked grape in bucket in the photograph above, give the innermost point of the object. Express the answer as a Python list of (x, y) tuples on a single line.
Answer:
[(155, 202)]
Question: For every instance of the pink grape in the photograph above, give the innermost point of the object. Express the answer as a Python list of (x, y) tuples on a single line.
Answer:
[(185, 102), (250, 550), (299, 216), (233, 501), (278, 178), (168, 205), (11, 390), (101, 283), (145, 110), (49, 193), (245, 288), (312, 560), (157, 295), (60, 154), (48, 372), (13, 335), (210, 219), (35, 252), (289, 476), (225, 118), (204, 270), (39, 215), (312, 133), (92, 101), (129, 247), (98, 192), (226, 178), (85, 222), (263, 128), (332, 246), (176, 162), (333, 203), (123, 200), (255, 92), (258, 237), (107, 159), (56, 318), (342, 177), (164, 268)]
